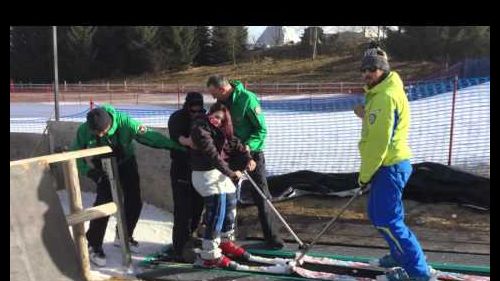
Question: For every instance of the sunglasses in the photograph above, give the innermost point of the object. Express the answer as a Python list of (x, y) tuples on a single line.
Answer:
[(369, 69), (194, 111)]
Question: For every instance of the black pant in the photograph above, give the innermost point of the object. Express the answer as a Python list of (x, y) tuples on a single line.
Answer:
[(129, 181), (188, 205), (267, 221)]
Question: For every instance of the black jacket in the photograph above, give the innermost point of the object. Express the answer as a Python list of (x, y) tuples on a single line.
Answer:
[(179, 124), (212, 148)]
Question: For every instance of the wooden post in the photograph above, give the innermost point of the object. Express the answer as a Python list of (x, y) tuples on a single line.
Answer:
[(111, 168), (65, 156), (75, 200), (93, 213)]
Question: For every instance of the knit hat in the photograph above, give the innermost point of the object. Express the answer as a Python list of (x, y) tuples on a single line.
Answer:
[(193, 98), (375, 57), (98, 119)]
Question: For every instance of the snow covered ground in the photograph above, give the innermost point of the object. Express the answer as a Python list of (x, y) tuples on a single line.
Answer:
[(325, 139), (153, 231)]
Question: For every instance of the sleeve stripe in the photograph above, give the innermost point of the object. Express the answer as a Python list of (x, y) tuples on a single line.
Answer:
[(396, 123)]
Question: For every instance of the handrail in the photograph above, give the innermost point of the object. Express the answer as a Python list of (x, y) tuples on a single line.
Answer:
[(58, 157)]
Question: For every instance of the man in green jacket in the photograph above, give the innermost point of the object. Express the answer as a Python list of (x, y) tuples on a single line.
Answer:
[(385, 165), (250, 127), (107, 126)]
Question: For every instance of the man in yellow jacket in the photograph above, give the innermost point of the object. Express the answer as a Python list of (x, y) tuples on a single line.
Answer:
[(385, 165)]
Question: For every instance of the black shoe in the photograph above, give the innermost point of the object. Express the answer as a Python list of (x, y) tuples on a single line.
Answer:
[(133, 242), (188, 252), (167, 250), (97, 256), (168, 254), (170, 258), (276, 244)]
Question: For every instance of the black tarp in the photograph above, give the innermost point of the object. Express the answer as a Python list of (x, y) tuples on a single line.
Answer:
[(429, 183)]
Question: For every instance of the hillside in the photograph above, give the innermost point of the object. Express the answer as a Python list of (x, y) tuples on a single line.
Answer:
[(323, 69)]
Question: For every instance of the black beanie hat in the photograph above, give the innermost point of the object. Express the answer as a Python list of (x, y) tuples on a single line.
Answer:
[(193, 98), (98, 119)]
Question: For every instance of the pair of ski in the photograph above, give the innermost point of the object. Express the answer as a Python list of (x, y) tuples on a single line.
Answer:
[(365, 270), (324, 269)]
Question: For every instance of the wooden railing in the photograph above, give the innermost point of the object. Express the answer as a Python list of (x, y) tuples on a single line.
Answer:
[(78, 215)]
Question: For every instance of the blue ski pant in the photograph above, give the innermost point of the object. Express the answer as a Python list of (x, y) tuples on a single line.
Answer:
[(386, 212)]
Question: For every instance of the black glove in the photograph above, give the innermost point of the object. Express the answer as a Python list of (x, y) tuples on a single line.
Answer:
[(364, 187), (97, 175)]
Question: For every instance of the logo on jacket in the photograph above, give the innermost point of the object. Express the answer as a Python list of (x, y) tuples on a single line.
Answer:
[(142, 129), (258, 110), (371, 118)]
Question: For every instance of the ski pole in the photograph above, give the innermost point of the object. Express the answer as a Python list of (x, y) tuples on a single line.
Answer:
[(308, 247), (301, 244)]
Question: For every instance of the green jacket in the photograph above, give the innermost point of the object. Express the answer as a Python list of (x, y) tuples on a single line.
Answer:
[(248, 120), (122, 132), (384, 135)]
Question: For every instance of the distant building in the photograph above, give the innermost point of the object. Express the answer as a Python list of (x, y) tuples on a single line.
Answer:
[(283, 35), (277, 36)]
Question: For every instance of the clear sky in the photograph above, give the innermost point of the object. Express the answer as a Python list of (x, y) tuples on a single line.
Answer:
[(254, 32)]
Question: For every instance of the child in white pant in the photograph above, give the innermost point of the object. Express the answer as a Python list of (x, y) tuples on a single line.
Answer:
[(213, 145)]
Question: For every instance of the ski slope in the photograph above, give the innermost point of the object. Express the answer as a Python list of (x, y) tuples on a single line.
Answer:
[(327, 141), (321, 134)]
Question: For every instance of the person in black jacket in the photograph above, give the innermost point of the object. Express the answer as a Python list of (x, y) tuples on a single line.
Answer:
[(188, 204), (215, 144)]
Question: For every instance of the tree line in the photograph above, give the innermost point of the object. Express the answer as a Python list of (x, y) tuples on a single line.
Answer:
[(106, 52), (92, 52)]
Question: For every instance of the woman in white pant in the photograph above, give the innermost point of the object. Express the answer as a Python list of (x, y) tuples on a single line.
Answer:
[(214, 144)]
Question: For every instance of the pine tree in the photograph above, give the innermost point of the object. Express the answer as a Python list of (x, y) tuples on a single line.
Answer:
[(203, 35), (31, 56), (142, 46), (111, 50), (77, 52), (309, 40), (445, 44), (229, 42), (178, 45)]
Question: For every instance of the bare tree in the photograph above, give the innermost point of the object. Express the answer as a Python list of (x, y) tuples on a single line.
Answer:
[(315, 42)]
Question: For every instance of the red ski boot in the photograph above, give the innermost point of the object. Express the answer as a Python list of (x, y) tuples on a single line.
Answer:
[(232, 250)]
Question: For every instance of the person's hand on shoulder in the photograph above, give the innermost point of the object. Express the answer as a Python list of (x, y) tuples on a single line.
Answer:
[(359, 110), (187, 141)]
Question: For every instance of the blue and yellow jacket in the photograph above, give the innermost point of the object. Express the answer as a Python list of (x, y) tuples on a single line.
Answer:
[(384, 134)]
